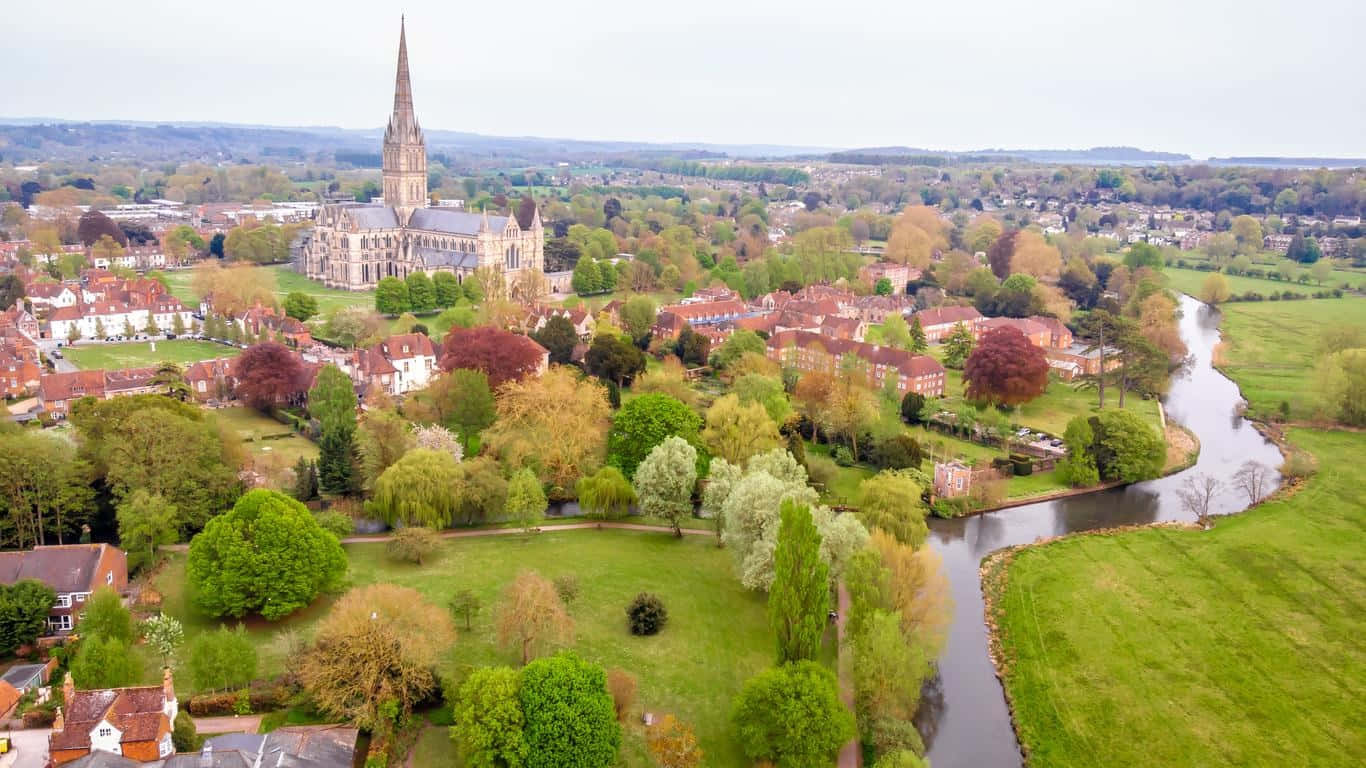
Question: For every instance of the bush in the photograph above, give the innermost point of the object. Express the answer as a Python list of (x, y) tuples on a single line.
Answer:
[(622, 686), (567, 586), (821, 469), (413, 545), (338, 524), (1022, 466), (39, 718), (264, 697), (950, 508), (183, 733), (646, 614), (842, 456)]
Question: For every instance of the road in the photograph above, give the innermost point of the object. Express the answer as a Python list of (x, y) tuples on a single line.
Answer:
[(28, 749)]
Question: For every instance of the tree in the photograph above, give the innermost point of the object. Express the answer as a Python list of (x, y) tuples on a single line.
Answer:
[(792, 716), (382, 438), (532, 616), (1248, 232), (1340, 379), (460, 400), (721, 479), (24, 608), (664, 481), (958, 346), (890, 501), (234, 289), (413, 545), (105, 616), (222, 659), (606, 493), (559, 337), (164, 634), (1005, 369), (613, 359), (1001, 253), (646, 614), (184, 736), (420, 489), (391, 297), (913, 408), (736, 431), (146, 521), (421, 292), (525, 500), (465, 605), (556, 424), (267, 555), (502, 355), (266, 374), (918, 345), (1125, 448), (1033, 256), (1253, 478), (489, 721), (587, 279), (1321, 271), (368, 664), (673, 744), (799, 600), (350, 326), (644, 423), (1143, 255), (852, 408), (300, 306), (883, 287), (94, 225), (736, 346), (1197, 496), (447, 289), (637, 317), (1214, 289), (1078, 467), (566, 689), (44, 486), (895, 332), (105, 662), (889, 671), (11, 290)]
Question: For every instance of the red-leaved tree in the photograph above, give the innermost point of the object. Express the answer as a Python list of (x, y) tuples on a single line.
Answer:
[(1005, 369), (268, 373), (1000, 253), (503, 355)]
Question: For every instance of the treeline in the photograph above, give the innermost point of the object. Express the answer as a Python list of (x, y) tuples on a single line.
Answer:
[(933, 161), (752, 173)]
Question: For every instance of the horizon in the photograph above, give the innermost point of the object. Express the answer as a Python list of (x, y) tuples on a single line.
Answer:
[(665, 80)]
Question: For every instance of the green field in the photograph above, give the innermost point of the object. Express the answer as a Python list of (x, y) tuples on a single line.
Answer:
[(136, 354), (717, 635), (261, 435), (1270, 348), (286, 281), (1237, 646), (1189, 281)]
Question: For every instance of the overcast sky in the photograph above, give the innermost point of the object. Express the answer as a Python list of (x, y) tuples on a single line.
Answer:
[(1205, 77)]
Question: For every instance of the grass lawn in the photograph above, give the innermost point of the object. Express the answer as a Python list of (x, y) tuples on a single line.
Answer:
[(1190, 280), (1237, 646), (286, 281), (717, 636), (1270, 348), (252, 426), (136, 354)]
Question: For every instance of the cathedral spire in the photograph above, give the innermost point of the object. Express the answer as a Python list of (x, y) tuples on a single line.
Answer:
[(405, 151), (403, 87)]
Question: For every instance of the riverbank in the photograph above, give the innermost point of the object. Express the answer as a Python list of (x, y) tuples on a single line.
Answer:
[(1168, 645)]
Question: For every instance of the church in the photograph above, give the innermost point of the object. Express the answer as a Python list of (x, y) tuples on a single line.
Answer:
[(354, 245)]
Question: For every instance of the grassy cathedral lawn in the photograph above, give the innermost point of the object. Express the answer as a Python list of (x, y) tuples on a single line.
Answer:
[(1270, 348), (137, 354), (716, 638), (1236, 646), (287, 281)]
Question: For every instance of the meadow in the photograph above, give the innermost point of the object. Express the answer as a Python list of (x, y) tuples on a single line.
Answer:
[(137, 354), (1235, 646)]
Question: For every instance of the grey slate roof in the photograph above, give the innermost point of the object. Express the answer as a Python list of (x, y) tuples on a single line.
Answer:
[(332, 746), (373, 216), (24, 676), (432, 258), (64, 568), (99, 759), (453, 222)]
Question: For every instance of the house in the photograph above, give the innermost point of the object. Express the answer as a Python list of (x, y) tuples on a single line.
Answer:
[(49, 296), (697, 314), (896, 274), (952, 478), (807, 351), (398, 364), (133, 722), (73, 571), (326, 746), (538, 316), (1077, 360), (938, 323), (260, 320), (211, 379), (875, 309), (26, 677), (1059, 335), (9, 697), (57, 391), (1038, 334)]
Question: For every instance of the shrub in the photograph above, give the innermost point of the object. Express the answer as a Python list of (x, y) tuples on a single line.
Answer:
[(842, 456), (622, 686), (337, 523), (1023, 466), (646, 614), (413, 545), (567, 586), (821, 469)]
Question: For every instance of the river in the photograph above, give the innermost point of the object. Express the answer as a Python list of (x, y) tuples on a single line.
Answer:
[(963, 718)]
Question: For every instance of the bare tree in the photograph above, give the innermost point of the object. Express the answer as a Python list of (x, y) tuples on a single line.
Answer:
[(1197, 496), (1253, 477)]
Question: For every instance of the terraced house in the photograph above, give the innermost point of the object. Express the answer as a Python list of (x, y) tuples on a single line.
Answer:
[(807, 351)]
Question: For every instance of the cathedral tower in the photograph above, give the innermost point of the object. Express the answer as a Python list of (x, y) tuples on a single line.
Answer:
[(405, 151)]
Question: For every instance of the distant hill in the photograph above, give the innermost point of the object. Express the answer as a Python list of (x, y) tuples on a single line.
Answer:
[(1093, 156), (1292, 162)]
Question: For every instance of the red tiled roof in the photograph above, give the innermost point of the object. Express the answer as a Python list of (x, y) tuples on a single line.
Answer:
[(948, 316), (138, 713), (908, 364), (56, 387)]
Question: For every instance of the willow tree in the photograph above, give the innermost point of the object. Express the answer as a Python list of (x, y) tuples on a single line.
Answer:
[(606, 493), (422, 488)]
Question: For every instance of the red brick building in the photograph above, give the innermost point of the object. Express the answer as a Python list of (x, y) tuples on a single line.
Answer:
[(807, 351)]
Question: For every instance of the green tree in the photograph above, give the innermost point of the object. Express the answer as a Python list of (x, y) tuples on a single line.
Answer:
[(895, 331), (105, 616), (447, 289), (792, 716), (739, 344), (24, 608), (614, 359), (1078, 467), (890, 500), (918, 343), (643, 423), (1248, 232), (421, 292), (300, 306), (559, 338), (566, 689), (146, 521), (105, 662), (736, 431), (587, 279), (465, 605), (664, 481), (1143, 255), (222, 659), (1214, 289), (460, 400), (638, 317), (332, 401), (883, 287), (488, 719), (1125, 447), (525, 500), (421, 488), (606, 493), (381, 440), (799, 601), (267, 555), (163, 634), (391, 297), (1340, 381), (889, 672), (957, 346)]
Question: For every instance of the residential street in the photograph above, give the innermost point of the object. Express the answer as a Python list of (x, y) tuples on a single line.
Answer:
[(28, 749)]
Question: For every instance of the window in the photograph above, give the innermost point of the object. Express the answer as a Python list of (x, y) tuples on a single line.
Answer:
[(80, 597), (63, 601), (109, 578), (106, 732), (60, 623)]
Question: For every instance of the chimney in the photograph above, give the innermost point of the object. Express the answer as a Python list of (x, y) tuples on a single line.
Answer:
[(167, 684), (68, 690)]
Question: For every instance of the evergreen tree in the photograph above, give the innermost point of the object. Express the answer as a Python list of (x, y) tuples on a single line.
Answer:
[(957, 346), (918, 343)]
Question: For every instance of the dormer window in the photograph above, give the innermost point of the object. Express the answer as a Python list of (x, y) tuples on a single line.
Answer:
[(106, 732)]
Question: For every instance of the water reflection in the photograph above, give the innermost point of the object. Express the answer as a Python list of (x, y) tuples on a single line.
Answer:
[(963, 718)]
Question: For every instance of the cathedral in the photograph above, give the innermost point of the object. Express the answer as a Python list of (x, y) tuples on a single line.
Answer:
[(353, 245)]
